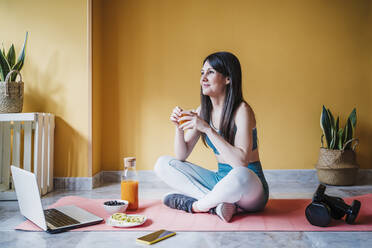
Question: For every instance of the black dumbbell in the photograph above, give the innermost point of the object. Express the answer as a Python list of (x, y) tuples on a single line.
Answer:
[(339, 207), (323, 207), (318, 214), (336, 213)]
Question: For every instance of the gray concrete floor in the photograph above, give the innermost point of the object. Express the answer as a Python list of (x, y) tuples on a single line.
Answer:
[(283, 184)]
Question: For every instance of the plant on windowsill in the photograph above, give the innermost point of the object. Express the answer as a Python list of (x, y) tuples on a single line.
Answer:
[(337, 162), (11, 91)]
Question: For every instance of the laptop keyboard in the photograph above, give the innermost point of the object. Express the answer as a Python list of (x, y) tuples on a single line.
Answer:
[(58, 219)]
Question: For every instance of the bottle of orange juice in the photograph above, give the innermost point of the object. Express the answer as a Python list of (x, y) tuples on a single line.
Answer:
[(129, 183)]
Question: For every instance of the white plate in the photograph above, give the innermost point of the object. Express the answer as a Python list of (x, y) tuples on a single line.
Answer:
[(118, 223)]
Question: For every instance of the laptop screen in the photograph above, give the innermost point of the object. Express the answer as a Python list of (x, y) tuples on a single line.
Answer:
[(28, 196)]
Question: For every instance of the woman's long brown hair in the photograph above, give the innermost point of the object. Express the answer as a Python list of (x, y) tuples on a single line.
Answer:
[(228, 65)]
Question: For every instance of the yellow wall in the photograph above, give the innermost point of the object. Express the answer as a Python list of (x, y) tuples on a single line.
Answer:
[(147, 54), (55, 71), (369, 68), (295, 56), (98, 49)]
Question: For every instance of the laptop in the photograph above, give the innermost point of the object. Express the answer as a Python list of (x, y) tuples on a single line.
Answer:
[(50, 220)]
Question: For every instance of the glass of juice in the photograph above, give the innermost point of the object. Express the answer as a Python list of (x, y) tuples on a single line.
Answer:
[(129, 183), (181, 122)]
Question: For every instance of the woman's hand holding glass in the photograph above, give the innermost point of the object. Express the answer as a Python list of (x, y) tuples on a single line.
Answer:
[(191, 120), (176, 115)]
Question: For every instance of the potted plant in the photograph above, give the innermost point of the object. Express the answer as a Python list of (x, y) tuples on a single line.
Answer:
[(337, 161), (11, 91)]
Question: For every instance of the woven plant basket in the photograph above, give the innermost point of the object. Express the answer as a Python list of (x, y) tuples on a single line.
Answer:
[(337, 167), (11, 94)]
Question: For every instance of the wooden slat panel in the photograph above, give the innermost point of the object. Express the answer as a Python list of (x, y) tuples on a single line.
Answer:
[(16, 144), (6, 154), (27, 126), (1, 153), (18, 117), (16, 154), (50, 152), (38, 150), (44, 156), (43, 148)]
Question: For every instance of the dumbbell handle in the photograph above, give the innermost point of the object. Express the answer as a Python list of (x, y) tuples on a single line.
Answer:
[(329, 200)]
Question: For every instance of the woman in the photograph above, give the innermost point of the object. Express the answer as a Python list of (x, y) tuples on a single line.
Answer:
[(226, 123)]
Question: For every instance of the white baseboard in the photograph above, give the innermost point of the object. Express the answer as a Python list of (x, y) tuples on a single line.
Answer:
[(88, 183), (73, 183)]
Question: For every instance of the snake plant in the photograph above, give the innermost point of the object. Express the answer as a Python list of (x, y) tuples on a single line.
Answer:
[(8, 61), (337, 137)]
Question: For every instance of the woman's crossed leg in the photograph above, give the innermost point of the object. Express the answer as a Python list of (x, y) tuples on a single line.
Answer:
[(204, 192)]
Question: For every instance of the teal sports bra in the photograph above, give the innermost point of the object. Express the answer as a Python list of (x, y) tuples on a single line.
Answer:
[(254, 138), (224, 169)]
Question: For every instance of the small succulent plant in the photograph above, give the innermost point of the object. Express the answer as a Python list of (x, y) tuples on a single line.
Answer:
[(337, 137), (8, 61)]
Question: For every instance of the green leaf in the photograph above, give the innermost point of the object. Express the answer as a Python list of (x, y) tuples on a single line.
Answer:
[(331, 118), (3, 49), (333, 141), (340, 138), (11, 56), (353, 117), (337, 130), (4, 67), (345, 134), (325, 124), (349, 134), (333, 130), (18, 66)]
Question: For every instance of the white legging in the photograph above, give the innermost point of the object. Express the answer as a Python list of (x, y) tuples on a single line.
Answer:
[(241, 185)]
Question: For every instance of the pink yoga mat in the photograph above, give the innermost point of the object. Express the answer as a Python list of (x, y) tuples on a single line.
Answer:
[(279, 215)]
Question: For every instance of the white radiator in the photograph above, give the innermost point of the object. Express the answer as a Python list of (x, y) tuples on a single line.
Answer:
[(37, 149)]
